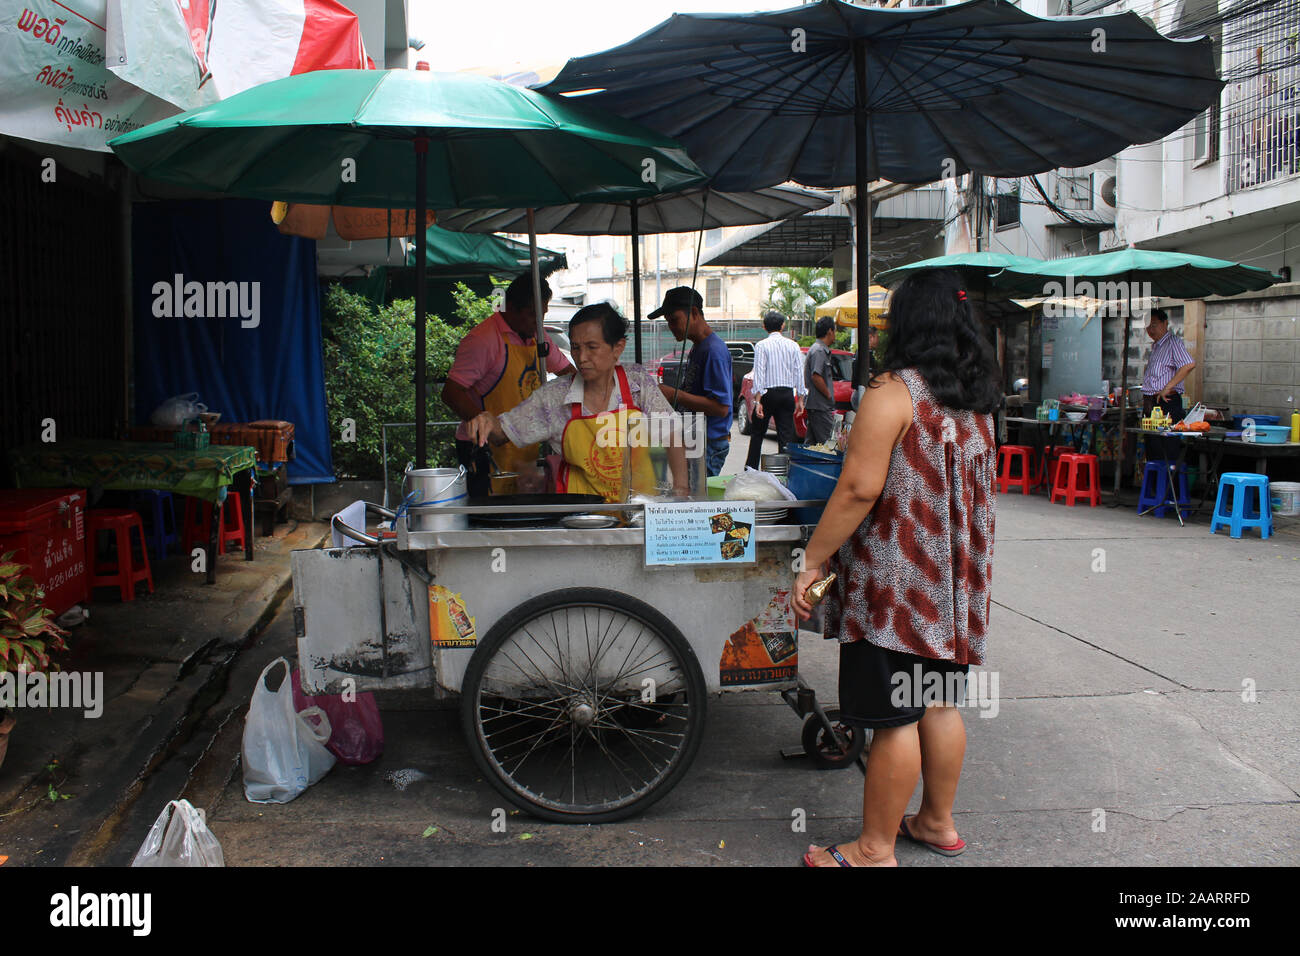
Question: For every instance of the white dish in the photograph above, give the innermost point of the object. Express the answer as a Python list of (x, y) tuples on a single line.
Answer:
[(588, 522)]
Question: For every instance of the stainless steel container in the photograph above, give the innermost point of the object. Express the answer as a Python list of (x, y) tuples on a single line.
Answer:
[(438, 487)]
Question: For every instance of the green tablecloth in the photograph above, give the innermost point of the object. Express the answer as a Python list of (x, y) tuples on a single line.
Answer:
[(132, 466)]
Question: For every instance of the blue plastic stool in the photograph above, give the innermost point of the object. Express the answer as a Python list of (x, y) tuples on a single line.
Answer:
[(1242, 514), (1155, 489), (161, 514)]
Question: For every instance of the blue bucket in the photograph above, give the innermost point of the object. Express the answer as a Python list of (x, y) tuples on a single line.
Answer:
[(812, 479)]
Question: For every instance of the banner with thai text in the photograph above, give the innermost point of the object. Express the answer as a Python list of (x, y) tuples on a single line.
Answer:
[(54, 83)]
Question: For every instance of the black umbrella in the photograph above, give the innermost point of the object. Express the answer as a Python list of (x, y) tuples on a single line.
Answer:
[(830, 94)]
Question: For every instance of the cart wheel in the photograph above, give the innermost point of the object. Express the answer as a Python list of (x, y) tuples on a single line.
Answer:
[(583, 706), (828, 754)]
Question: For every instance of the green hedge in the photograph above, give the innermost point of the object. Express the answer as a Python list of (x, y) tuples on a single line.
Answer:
[(370, 378)]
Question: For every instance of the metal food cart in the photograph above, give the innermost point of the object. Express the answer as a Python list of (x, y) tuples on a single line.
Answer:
[(583, 673)]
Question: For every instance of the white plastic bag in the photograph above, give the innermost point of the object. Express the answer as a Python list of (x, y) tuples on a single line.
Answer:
[(179, 838), (284, 753), (755, 485), (177, 410)]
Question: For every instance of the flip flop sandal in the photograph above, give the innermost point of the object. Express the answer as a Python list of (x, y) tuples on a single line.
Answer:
[(955, 849), (835, 853)]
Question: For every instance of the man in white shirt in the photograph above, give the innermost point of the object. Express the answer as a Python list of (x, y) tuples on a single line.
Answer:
[(778, 387)]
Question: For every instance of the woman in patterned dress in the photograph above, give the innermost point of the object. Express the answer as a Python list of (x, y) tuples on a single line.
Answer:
[(909, 532)]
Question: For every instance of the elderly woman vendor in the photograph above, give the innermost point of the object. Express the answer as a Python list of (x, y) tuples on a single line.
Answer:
[(598, 418)]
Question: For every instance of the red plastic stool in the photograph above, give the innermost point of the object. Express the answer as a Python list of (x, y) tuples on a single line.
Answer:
[(1066, 480), (197, 525), (1028, 476), (123, 573)]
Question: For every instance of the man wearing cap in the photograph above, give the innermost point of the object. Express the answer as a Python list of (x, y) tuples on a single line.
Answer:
[(706, 384), (496, 369)]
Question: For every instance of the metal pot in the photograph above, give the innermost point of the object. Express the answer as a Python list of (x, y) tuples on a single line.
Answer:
[(444, 487)]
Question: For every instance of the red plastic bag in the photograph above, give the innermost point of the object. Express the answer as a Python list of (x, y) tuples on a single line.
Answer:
[(358, 731)]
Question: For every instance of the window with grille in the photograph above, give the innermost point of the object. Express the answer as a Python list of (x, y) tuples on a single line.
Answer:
[(713, 293), (1006, 205)]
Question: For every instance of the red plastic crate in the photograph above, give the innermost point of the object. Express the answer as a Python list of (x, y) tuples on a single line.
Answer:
[(47, 529)]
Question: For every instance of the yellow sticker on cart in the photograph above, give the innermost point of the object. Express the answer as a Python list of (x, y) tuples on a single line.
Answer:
[(450, 624)]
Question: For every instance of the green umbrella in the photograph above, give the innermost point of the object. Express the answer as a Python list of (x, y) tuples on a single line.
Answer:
[(408, 139), (1109, 275), (459, 253), (1177, 275), (975, 267)]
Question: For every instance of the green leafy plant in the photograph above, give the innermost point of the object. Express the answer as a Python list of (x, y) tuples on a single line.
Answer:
[(797, 292), (28, 635), (370, 373)]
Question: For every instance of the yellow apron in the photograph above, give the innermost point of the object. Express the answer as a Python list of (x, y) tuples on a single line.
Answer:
[(518, 380), (607, 468)]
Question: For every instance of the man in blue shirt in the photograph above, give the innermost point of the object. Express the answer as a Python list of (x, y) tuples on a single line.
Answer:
[(706, 385)]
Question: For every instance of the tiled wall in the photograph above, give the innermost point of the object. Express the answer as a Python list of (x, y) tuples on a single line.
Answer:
[(1252, 355), (1139, 346)]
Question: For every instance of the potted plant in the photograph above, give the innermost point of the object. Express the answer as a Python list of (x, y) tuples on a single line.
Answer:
[(28, 635)]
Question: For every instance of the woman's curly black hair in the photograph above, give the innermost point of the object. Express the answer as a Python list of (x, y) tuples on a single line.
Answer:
[(933, 329)]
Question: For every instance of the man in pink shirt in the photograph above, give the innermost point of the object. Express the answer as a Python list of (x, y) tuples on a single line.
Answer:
[(495, 369)]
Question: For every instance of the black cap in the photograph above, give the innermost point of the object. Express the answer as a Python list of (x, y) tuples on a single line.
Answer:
[(683, 297)]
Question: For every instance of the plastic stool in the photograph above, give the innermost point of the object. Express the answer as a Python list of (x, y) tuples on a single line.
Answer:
[(1066, 480), (1155, 489), (161, 528), (197, 525), (123, 573), (1242, 515), (1026, 479)]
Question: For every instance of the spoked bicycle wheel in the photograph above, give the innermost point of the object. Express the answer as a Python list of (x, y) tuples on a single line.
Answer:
[(583, 705)]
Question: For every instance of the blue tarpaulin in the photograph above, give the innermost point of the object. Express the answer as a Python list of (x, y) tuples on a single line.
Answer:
[(226, 306)]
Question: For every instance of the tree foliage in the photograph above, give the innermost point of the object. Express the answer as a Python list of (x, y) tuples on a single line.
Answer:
[(370, 378), (796, 292)]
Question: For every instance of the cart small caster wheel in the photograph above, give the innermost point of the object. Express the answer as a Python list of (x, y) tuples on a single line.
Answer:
[(833, 754)]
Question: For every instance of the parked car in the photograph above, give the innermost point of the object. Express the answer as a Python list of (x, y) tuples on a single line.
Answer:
[(561, 340), (841, 387), (742, 363)]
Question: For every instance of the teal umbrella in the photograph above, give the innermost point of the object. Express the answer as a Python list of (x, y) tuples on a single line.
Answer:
[(975, 268), (408, 139), (459, 253), (1112, 275), (1177, 275)]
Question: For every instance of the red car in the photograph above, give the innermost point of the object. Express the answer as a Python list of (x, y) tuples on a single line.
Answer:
[(841, 387)]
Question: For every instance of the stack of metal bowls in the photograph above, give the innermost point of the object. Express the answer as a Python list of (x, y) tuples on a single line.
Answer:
[(778, 466)]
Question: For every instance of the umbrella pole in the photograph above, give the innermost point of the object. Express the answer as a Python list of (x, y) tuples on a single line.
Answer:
[(636, 284), (421, 250), (538, 307), (1123, 394), (862, 200)]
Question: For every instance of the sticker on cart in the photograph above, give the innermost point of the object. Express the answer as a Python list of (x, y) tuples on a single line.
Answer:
[(700, 532), (450, 624), (778, 616), (753, 658)]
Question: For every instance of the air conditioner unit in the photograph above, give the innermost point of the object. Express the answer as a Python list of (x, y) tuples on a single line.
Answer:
[(1106, 194)]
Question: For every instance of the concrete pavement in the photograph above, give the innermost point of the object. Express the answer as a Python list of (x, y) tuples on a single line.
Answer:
[(1121, 703)]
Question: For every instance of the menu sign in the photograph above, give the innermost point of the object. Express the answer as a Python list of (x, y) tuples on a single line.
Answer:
[(700, 532)]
